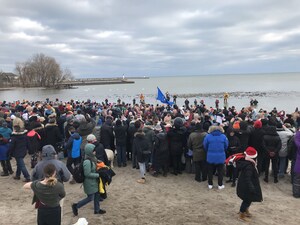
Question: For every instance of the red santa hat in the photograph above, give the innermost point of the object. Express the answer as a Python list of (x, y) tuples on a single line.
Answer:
[(250, 152)]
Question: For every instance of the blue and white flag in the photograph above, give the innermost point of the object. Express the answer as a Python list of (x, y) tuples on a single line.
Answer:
[(161, 97)]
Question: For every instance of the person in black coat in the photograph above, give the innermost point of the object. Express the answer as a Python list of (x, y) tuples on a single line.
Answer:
[(248, 187), (99, 149), (178, 144), (52, 134), (107, 135), (142, 152), (256, 140), (18, 149), (271, 144), (161, 151), (120, 130)]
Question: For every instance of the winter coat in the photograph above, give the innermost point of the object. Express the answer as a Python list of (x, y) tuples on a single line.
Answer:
[(4, 149), (73, 146), (215, 144), (161, 148), (297, 162), (86, 127), (195, 143), (149, 135), (107, 135), (35, 142), (100, 153), (234, 145), (48, 156), (284, 134), (91, 181), (243, 134), (140, 145), (19, 145), (178, 140), (271, 140), (121, 134), (248, 187), (6, 132), (52, 135), (256, 140)]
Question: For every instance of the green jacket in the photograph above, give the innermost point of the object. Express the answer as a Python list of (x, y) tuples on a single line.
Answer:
[(91, 180)]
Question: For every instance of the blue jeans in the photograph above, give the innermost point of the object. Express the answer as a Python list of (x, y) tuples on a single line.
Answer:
[(282, 166), (89, 198), (142, 169), (21, 168), (121, 154)]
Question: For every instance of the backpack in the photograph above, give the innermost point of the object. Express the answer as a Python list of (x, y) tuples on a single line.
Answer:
[(78, 172), (231, 160)]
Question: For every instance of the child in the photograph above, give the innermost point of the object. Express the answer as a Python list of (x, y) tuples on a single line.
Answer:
[(5, 161), (248, 187)]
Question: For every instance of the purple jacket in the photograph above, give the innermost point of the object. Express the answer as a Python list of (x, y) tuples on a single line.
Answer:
[(297, 142)]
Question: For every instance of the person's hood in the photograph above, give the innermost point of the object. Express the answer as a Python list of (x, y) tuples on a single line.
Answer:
[(216, 130), (19, 133), (139, 134), (50, 125), (88, 151), (48, 152), (76, 136)]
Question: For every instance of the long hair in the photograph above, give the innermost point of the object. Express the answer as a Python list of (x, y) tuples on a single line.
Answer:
[(49, 172)]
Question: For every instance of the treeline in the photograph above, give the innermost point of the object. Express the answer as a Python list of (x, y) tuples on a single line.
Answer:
[(41, 71)]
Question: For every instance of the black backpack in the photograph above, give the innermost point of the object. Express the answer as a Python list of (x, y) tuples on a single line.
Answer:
[(78, 172)]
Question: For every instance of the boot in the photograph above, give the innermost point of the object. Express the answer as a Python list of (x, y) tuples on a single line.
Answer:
[(141, 181), (243, 217), (10, 171), (3, 174), (247, 213), (4, 167), (266, 179)]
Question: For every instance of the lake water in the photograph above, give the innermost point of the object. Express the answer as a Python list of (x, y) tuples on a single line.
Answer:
[(271, 90)]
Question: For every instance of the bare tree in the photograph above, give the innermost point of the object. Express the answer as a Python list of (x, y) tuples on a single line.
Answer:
[(40, 70)]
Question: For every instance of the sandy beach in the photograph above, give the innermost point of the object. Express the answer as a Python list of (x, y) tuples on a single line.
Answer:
[(170, 200)]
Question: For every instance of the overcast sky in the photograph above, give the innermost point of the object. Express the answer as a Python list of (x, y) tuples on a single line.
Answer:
[(105, 38)]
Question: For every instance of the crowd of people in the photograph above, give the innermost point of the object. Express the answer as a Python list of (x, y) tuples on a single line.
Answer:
[(157, 139)]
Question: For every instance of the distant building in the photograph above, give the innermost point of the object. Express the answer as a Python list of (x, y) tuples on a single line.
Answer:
[(8, 79)]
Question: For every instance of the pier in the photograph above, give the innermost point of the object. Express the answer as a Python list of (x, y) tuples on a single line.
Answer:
[(93, 81)]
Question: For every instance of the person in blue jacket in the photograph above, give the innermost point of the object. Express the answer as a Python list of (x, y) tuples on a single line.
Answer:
[(215, 144), (74, 151)]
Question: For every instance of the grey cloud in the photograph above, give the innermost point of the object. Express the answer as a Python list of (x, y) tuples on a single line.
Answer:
[(113, 37)]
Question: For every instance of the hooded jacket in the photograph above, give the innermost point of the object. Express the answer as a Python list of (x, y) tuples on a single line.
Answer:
[(121, 134), (178, 139), (6, 132), (248, 187), (73, 146), (90, 183), (271, 140), (161, 148), (195, 143), (140, 145), (284, 134), (52, 135), (107, 135), (49, 156), (215, 144), (19, 145)]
